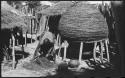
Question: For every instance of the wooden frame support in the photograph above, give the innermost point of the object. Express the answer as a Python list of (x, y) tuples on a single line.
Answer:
[(103, 47), (80, 52), (94, 51), (107, 51), (31, 30), (25, 38), (59, 44), (101, 52), (13, 52), (65, 50)]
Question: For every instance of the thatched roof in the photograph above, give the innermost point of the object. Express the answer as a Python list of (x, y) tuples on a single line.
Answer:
[(58, 8), (10, 17), (10, 20), (41, 7), (83, 22), (6, 6)]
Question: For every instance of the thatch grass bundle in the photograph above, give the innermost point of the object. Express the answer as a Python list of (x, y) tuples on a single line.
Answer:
[(83, 22)]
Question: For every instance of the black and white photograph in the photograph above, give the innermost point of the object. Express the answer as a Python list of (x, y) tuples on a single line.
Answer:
[(62, 39)]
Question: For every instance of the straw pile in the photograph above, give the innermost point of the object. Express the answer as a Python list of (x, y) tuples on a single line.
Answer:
[(83, 22)]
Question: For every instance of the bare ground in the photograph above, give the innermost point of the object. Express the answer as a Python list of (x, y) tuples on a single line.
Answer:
[(26, 68), (23, 68)]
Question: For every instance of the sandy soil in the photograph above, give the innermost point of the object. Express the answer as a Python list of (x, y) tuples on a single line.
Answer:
[(20, 71), (27, 69)]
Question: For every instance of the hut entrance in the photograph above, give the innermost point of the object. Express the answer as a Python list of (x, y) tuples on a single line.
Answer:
[(53, 23)]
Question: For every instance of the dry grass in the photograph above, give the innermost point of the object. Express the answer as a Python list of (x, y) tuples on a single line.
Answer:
[(83, 22)]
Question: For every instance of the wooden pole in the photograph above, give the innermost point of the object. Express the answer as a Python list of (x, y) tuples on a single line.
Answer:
[(31, 29), (80, 53), (107, 51), (25, 38), (10, 42), (65, 50), (13, 52), (59, 44), (42, 25), (31, 26), (34, 21), (94, 51), (101, 44)]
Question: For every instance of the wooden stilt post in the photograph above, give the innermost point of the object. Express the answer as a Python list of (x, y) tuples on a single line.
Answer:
[(107, 51), (59, 41), (25, 38), (10, 42), (31, 23), (31, 30), (80, 52), (101, 44), (94, 51), (13, 52), (65, 49)]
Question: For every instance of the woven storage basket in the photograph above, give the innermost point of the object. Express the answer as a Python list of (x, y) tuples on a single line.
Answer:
[(83, 22)]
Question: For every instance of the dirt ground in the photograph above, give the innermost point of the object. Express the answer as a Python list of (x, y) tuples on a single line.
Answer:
[(21, 69), (26, 68)]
